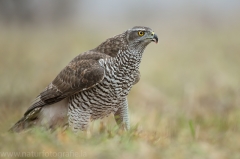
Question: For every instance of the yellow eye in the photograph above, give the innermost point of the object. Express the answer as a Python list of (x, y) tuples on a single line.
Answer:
[(141, 33)]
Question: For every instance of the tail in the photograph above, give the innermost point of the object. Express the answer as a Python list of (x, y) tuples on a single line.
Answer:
[(49, 116), (19, 126), (26, 122)]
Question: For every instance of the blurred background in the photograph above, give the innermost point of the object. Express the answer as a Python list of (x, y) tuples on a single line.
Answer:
[(187, 102)]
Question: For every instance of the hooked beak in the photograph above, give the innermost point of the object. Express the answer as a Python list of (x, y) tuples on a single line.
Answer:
[(155, 38)]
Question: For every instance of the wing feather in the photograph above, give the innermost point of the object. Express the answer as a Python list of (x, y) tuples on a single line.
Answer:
[(82, 73)]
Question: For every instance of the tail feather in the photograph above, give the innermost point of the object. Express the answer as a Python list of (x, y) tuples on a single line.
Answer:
[(48, 116), (26, 122), (22, 124)]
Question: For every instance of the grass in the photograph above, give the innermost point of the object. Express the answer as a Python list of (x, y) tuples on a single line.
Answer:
[(186, 104)]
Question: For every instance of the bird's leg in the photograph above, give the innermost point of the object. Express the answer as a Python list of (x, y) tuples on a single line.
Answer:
[(79, 119), (121, 115)]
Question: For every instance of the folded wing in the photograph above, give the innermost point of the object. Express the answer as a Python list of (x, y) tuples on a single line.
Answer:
[(82, 73)]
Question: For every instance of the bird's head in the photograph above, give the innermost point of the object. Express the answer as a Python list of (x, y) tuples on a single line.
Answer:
[(142, 36), (137, 38)]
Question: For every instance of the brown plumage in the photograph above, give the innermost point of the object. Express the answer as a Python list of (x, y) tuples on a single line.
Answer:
[(93, 85)]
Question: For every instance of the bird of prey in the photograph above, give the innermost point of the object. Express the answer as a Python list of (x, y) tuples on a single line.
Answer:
[(92, 86)]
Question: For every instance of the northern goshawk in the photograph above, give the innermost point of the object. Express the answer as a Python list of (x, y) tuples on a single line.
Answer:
[(92, 86)]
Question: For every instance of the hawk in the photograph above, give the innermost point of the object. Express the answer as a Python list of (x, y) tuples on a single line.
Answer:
[(92, 86)]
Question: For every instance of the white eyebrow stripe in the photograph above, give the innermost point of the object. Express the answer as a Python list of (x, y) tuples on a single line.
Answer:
[(138, 29)]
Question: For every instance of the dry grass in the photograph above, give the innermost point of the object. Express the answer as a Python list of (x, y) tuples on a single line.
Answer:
[(186, 104)]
